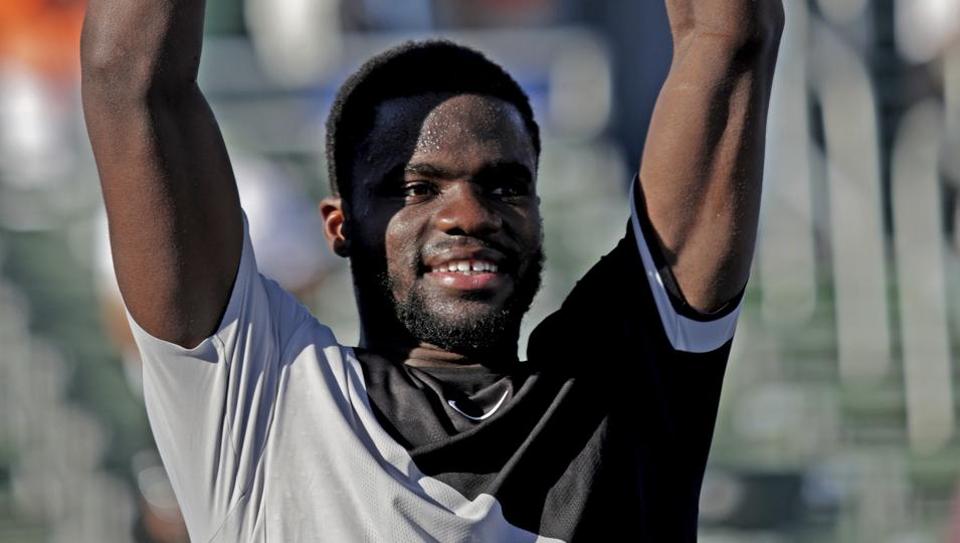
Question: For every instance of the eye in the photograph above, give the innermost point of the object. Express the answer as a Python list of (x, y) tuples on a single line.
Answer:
[(509, 189), (416, 190)]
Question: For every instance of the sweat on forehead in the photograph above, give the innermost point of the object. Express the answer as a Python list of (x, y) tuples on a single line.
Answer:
[(428, 124), (412, 69), (484, 116)]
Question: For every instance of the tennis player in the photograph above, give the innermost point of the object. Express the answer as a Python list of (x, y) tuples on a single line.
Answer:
[(432, 429)]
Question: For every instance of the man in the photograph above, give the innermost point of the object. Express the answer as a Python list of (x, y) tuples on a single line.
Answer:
[(432, 429)]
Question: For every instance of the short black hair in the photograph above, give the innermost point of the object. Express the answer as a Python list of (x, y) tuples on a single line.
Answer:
[(410, 69)]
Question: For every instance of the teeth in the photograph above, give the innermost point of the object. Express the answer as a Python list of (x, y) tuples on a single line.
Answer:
[(467, 266)]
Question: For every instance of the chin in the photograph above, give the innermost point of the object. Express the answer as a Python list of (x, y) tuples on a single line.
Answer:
[(478, 321), (461, 325), (466, 315)]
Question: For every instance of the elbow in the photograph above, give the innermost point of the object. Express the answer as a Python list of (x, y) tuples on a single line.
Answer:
[(107, 65), (754, 37), (764, 41), (761, 38), (111, 67), (102, 52), (761, 44)]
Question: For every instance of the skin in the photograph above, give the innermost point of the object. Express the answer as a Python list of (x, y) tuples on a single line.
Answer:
[(702, 165), (169, 190), (463, 185), (175, 220)]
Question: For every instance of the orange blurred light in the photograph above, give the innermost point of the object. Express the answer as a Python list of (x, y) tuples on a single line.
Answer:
[(42, 34)]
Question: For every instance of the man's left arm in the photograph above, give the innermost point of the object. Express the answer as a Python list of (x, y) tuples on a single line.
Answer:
[(703, 161)]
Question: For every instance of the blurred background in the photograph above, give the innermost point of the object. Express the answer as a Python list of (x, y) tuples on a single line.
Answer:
[(839, 414)]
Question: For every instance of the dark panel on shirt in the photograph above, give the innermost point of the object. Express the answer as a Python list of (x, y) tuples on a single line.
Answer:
[(662, 402), (608, 429)]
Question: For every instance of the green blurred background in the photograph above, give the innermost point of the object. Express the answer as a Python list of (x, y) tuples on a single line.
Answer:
[(839, 415)]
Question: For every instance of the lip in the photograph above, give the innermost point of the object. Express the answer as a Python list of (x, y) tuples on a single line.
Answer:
[(470, 281), (460, 254)]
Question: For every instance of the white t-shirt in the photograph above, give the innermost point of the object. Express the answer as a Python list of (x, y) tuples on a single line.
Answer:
[(267, 431), (267, 434)]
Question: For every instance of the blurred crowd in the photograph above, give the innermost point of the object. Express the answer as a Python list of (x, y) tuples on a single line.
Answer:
[(839, 415)]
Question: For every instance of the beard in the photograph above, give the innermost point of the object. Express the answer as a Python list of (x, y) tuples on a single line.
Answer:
[(473, 329)]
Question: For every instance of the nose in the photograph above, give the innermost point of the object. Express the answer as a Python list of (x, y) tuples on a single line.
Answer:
[(465, 212)]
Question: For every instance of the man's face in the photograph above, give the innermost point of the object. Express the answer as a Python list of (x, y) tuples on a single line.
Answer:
[(445, 218)]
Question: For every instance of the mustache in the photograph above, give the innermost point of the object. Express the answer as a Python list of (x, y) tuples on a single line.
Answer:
[(510, 258)]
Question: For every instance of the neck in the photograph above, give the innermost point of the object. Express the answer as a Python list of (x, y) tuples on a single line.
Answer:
[(397, 346), (382, 334), (430, 356)]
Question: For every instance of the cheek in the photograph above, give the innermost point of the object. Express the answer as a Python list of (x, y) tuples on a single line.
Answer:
[(401, 244), (536, 225), (530, 231), (528, 226)]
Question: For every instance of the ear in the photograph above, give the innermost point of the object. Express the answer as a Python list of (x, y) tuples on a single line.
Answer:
[(334, 225)]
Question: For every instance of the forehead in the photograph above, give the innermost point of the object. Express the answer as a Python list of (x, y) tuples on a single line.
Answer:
[(462, 131)]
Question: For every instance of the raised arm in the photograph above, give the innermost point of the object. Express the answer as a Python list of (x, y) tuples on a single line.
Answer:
[(703, 161), (172, 204)]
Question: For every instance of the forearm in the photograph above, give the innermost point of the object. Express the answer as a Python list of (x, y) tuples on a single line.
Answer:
[(703, 163), (135, 47), (735, 24)]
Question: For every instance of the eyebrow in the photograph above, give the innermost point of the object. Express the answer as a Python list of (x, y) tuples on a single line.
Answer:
[(505, 167), (430, 170)]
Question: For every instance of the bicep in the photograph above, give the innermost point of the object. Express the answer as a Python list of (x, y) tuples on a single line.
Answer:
[(172, 206), (628, 304), (662, 363)]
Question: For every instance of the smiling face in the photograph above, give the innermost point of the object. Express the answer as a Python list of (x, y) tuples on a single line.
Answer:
[(444, 220)]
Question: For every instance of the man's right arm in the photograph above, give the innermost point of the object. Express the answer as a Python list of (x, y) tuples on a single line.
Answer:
[(172, 204)]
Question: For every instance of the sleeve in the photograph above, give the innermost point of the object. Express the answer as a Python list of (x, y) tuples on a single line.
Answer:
[(655, 363), (210, 406), (629, 300), (685, 329)]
